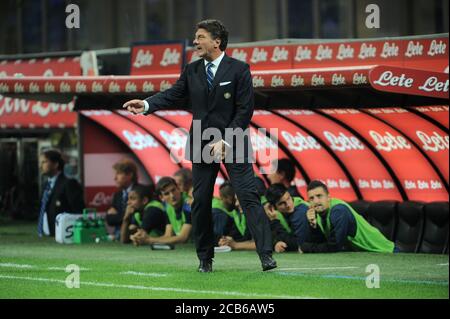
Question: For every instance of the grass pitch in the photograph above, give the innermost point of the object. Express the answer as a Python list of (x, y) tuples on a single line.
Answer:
[(31, 267)]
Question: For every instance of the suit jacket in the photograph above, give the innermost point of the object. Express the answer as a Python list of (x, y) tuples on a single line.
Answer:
[(66, 196), (229, 105)]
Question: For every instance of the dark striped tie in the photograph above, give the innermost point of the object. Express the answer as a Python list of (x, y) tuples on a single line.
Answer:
[(209, 75), (124, 201), (44, 201)]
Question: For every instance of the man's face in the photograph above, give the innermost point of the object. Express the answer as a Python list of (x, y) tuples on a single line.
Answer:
[(47, 167), (286, 204), (229, 202), (319, 200), (135, 201), (180, 182), (171, 195), (204, 44), (122, 179)]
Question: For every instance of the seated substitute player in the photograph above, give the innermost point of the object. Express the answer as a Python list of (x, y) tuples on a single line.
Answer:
[(239, 237), (339, 226), (289, 224), (178, 216), (222, 210), (142, 212), (284, 174), (183, 177)]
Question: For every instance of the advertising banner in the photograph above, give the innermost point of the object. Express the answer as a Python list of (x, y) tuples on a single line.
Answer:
[(372, 178), (317, 162), (418, 178)]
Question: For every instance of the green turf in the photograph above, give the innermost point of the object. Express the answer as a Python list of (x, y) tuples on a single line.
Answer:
[(106, 273)]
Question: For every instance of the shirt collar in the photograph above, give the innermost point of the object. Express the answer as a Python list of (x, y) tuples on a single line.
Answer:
[(217, 61), (52, 180), (128, 189)]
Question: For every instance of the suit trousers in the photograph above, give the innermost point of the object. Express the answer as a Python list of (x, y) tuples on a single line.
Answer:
[(243, 181)]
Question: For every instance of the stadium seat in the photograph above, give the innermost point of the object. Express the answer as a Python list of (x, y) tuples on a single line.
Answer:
[(383, 215), (361, 207), (410, 226), (436, 233)]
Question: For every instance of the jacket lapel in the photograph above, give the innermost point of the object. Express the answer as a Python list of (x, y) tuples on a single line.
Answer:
[(201, 73), (224, 67), (56, 188)]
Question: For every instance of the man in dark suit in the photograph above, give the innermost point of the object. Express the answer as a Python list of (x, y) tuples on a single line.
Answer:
[(60, 194), (220, 92), (125, 177)]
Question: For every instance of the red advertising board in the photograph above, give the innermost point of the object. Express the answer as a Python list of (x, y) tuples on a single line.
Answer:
[(48, 67), (191, 55), (263, 57), (21, 113), (437, 112), (173, 138), (266, 150), (426, 54), (418, 178), (153, 156), (432, 140), (372, 178), (351, 53), (162, 58), (88, 84), (410, 81), (316, 161), (99, 156)]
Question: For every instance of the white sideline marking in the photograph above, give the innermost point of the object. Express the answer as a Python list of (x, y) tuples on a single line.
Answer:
[(147, 274), (443, 264), (152, 288), (25, 266), (64, 268), (319, 268), (12, 265)]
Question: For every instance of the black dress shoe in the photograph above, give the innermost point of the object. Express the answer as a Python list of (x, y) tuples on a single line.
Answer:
[(205, 265), (267, 262)]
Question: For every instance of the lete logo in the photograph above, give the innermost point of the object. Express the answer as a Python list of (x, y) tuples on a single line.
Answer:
[(389, 142), (170, 57), (143, 58), (101, 199), (139, 141), (433, 143), (299, 142), (342, 143), (430, 83), (176, 140)]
